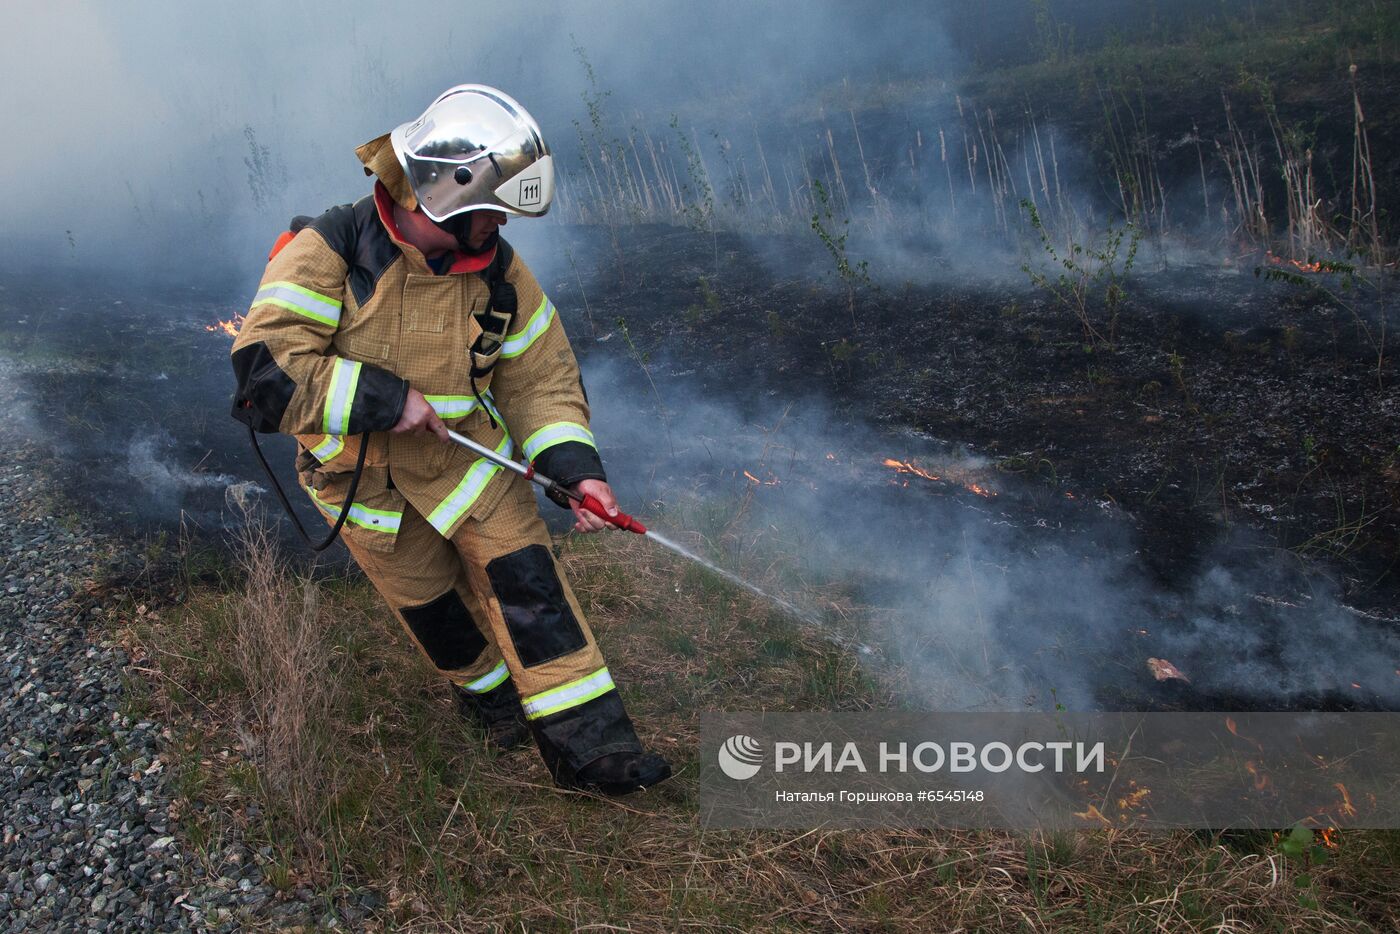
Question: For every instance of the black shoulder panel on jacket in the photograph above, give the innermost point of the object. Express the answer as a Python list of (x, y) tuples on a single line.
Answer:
[(374, 251), (337, 226), (263, 391), (354, 231)]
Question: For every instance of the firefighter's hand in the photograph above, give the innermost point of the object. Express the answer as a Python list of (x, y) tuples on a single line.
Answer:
[(419, 417), (587, 522)]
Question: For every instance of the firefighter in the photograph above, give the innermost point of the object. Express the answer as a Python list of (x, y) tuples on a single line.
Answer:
[(386, 322)]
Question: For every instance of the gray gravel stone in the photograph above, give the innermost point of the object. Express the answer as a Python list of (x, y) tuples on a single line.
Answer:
[(87, 840)]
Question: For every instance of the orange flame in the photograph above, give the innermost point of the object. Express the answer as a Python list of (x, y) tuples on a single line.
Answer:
[(908, 467), (1301, 267), (1093, 813), (771, 481), (230, 327), (1261, 781), (1234, 731), (1328, 837), (1345, 808), (1134, 798)]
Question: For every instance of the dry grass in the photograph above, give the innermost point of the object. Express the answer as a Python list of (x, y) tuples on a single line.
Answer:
[(278, 651), (459, 838)]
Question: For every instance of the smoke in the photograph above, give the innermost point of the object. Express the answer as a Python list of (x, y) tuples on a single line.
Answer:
[(989, 593), (167, 138), (149, 461)]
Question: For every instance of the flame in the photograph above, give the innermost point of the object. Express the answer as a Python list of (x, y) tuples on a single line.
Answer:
[(1301, 267), (908, 467), (1328, 837), (771, 481), (1234, 731), (1261, 781), (1093, 813), (1345, 808), (1134, 798), (230, 327)]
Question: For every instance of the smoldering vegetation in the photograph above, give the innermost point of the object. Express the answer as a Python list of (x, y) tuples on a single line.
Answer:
[(985, 591)]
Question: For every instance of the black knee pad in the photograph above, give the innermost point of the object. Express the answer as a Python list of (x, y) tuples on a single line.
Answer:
[(446, 631), (542, 625)]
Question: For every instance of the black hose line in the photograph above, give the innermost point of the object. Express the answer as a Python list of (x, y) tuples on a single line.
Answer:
[(282, 497)]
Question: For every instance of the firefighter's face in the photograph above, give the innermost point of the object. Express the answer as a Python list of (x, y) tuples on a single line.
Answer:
[(484, 224), (473, 230)]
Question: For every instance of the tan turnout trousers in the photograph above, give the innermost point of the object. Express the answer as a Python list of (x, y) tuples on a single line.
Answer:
[(480, 651)]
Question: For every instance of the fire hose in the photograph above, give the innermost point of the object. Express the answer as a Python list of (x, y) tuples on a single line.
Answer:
[(553, 489), (561, 494)]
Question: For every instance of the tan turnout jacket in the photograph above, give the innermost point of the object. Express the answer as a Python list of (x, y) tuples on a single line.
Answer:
[(348, 316)]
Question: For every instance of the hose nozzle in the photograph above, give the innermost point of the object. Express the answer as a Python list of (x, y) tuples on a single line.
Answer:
[(622, 520)]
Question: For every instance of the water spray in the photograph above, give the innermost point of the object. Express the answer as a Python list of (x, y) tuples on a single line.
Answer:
[(622, 520)]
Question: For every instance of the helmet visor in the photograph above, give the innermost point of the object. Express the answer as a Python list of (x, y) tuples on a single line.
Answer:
[(476, 148)]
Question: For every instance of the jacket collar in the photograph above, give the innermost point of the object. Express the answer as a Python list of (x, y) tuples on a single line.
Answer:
[(461, 262)]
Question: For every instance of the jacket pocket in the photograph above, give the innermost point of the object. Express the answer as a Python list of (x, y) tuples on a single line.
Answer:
[(337, 453), (363, 347)]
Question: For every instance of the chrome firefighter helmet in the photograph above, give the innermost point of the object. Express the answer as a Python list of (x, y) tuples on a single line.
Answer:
[(475, 148)]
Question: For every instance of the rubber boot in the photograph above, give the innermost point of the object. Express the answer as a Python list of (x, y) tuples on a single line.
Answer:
[(593, 747), (622, 773), (497, 712)]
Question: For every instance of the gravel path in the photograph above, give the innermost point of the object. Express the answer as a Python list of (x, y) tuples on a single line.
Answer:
[(90, 837)]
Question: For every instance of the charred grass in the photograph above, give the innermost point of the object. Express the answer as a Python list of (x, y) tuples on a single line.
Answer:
[(305, 718)]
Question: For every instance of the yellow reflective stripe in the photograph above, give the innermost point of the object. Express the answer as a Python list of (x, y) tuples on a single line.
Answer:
[(467, 491), (459, 406), (489, 680), (568, 695), (330, 446), (345, 376), (319, 308), (519, 342), (489, 400), (557, 433), (376, 520), (452, 406)]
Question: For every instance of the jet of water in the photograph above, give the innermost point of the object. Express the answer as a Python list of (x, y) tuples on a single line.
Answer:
[(738, 581)]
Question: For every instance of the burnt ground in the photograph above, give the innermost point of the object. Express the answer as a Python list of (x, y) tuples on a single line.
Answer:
[(1225, 398), (1229, 408)]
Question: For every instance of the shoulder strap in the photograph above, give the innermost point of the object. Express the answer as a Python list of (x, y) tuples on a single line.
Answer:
[(500, 263)]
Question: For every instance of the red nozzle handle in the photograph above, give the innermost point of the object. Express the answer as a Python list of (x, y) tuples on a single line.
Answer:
[(622, 520)]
